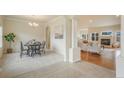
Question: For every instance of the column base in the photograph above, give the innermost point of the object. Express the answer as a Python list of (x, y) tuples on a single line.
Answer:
[(120, 67), (119, 64), (74, 54)]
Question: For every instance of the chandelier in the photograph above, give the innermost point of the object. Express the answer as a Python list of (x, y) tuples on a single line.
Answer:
[(33, 24)]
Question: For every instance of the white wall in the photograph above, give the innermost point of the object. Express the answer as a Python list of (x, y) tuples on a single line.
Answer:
[(23, 32), (57, 24), (120, 53), (61, 46), (1, 41), (1, 28)]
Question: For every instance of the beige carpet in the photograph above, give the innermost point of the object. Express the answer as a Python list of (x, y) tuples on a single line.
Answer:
[(50, 65)]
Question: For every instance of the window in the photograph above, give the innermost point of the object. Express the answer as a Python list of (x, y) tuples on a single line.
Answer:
[(0, 37), (118, 36), (106, 33), (95, 36), (85, 36)]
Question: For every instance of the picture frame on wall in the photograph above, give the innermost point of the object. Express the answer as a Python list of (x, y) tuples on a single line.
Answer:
[(59, 32), (58, 36)]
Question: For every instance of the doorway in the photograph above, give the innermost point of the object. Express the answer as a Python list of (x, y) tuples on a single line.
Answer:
[(99, 40)]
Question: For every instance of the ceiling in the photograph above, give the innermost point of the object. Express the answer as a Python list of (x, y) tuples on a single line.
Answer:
[(40, 18), (98, 20), (83, 20)]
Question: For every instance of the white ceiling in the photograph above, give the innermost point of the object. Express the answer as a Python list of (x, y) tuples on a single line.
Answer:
[(40, 18), (98, 20)]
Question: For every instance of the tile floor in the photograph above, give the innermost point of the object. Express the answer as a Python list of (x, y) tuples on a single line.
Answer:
[(50, 65)]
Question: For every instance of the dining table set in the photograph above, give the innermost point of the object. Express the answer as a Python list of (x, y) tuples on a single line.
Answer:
[(32, 48)]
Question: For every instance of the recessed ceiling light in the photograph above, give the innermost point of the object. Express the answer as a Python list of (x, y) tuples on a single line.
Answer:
[(90, 21)]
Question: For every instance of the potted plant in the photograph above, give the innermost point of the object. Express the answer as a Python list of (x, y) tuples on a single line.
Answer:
[(9, 38)]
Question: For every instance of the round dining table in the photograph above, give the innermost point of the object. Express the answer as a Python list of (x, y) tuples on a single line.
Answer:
[(33, 48)]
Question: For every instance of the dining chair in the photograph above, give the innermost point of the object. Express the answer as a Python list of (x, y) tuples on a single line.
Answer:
[(23, 50), (43, 46), (34, 50), (31, 50), (37, 49)]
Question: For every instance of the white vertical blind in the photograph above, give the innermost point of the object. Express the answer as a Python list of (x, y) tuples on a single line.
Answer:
[(0, 37)]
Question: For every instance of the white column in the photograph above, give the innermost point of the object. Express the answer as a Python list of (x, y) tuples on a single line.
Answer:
[(66, 55), (74, 51), (74, 32), (120, 54), (122, 36)]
